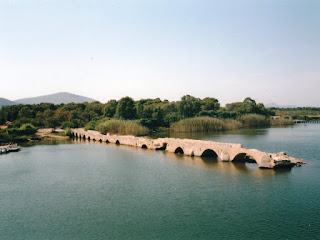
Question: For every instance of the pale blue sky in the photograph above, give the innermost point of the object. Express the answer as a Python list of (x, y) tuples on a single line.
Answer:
[(266, 49)]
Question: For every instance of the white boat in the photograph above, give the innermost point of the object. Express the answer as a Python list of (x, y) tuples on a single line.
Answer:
[(9, 148), (13, 147)]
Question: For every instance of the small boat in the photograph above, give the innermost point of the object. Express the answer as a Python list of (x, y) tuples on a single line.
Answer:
[(9, 148), (4, 149), (13, 147)]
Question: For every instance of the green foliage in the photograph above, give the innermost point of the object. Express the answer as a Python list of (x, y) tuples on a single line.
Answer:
[(122, 127), (151, 113), (210, 104), (68, 132), (126, 108), (189, 106), (28, 128), (254, 120), (204, 124), (110, 108), (51, 122), (248, 106)]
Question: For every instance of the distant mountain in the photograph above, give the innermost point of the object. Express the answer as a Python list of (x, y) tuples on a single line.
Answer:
[(6, 102), (274, 105), (57, 98)]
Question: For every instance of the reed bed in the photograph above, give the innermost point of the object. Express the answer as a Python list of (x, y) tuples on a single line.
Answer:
[(122, 127), (254, 120), (281, 122), (204, 124)]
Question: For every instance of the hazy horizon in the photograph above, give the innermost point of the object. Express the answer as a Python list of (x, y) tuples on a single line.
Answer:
[(266, 50)]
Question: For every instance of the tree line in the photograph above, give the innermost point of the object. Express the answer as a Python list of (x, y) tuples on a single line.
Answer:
[(151, 113)]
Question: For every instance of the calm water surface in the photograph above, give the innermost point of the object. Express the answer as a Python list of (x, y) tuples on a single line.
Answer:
[(81, 190)]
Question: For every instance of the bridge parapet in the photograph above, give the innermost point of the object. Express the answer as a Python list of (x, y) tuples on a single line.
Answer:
[(198, 148)]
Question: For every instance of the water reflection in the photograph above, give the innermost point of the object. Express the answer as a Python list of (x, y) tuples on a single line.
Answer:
[(205, 163), (213, 164)]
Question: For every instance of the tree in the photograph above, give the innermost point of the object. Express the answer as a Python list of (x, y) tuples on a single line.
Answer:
[(25, 112), (210, 104), (110, 108), (126, 108), (52, 122), (189, 106)]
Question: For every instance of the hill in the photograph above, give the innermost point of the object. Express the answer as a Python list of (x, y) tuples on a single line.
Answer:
[(57, 98), (5, 102)]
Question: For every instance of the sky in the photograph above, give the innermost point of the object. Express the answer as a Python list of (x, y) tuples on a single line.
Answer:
[(268, 50)]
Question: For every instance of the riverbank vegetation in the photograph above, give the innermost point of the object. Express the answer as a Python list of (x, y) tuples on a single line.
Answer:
[(23, 133), (122, 127), (204, 124), (150, 114), (299, 113)]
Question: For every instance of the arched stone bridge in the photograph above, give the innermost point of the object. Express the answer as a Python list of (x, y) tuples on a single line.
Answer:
[(223, 151)]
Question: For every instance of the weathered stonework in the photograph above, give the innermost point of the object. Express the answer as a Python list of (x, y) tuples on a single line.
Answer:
[(224, 151)]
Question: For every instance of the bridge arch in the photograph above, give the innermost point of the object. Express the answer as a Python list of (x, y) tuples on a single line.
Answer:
[(179, 150), (144, 146), (209, 153), (117, 142), (89, 138), (244, 157), (107, 141), (84, 136)]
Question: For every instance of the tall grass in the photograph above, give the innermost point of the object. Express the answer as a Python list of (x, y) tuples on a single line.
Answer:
[(122, 127), (204, 124), (254, 120), (281, 122)]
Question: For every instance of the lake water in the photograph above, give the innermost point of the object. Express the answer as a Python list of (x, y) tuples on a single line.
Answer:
[(81, 190)]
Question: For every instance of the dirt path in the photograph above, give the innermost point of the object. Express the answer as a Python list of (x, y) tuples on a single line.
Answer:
[(47, 133)]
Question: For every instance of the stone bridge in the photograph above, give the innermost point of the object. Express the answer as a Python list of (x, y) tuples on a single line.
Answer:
[(223, 151)]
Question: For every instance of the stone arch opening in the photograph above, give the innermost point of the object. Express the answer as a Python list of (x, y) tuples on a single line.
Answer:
[(164, 147), (100, 140), (117, 142), (76, 135), (84, 137), (89, 138), (107, 141), (209, 153), (144, 146), (243, 157), (179, 150)]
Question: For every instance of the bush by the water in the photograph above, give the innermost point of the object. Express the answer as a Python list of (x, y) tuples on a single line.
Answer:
[(27, 128), (122, 127), (204, 124), (254, 120)]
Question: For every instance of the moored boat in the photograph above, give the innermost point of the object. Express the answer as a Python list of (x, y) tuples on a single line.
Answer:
[(9, 148), (13, 147)]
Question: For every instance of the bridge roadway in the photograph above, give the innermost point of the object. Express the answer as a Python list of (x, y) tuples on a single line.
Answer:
[(223, 151)]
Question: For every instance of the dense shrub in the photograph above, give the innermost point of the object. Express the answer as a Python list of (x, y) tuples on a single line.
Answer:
[(28, 129)]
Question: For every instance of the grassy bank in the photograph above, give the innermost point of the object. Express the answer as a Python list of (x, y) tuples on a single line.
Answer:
[(122, 127)]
